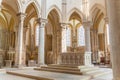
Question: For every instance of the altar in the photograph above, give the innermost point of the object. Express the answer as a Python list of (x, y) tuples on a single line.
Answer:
[(72, 58)]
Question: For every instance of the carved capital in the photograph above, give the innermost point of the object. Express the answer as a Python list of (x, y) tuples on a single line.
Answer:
[(87, 24), (64, 3), (106, 20), (21, 16), (42, 21), (64, 25)]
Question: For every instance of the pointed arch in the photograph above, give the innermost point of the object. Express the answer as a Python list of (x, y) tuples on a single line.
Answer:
[(75, 10), (54, 7), (36, 5), (97, 6)]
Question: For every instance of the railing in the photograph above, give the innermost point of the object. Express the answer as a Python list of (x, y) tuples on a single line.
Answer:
[(72, 58)]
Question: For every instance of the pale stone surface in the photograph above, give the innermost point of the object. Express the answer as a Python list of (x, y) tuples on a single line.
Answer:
[(63, 76), (114, 22), (53, 75), (4, 76), (105, 77), (87, 25)]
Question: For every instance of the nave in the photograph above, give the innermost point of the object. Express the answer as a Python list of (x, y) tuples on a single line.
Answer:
[(82, 34)]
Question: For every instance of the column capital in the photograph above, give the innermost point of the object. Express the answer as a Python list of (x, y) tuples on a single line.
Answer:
[(87, 23), (64, 3), (106, 20), (21, 16), (63, 25), (42, 20)]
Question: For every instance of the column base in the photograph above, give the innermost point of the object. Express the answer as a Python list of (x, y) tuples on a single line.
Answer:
[(87, 59), (41, 64), (20, 66)]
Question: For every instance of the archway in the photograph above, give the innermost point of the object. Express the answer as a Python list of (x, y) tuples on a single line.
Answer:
[(8, 33), (52, 40), (75, 26), (31, 35), (100, 48)]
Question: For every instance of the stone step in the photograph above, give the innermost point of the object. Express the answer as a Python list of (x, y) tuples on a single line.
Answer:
[(70, 66), (88, 69), (61, 68), (59, 71), (83, 67), (2, 70), (46, 75), (27, 76), (91, 71)]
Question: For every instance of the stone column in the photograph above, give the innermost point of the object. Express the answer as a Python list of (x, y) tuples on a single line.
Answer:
[(92, 45), (87, 58), (64, 45), (58, 35), (64, 26), (20, 58), (41, 49), (114, 23)]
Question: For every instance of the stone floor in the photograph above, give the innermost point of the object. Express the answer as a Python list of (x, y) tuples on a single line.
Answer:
[(51, 75), (105, 77), (4, 76)]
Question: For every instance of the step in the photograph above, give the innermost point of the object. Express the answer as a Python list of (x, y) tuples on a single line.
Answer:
[(2, 70), (70, 66), (59, 71), (27, 75), (61, 68), (46, 75), (88, 69), (91, 71)]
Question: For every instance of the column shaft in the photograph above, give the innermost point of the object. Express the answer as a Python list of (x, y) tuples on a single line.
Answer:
[(114, 22), (64, 45), (20, 58), (87, 26), (41, 49)]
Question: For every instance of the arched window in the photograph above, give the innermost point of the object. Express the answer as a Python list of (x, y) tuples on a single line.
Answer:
[(81, 36), (37, 36), (68, 36)]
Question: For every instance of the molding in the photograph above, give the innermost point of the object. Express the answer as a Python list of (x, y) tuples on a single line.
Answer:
[(106, 20), (87, 23), (42, 20), (64, 3), (21, 14)]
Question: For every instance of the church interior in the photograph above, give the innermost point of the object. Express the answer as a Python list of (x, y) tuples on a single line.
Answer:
[(59, 39)]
